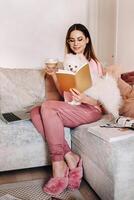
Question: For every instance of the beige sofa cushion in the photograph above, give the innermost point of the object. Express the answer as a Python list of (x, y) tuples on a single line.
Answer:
[(20, 88)]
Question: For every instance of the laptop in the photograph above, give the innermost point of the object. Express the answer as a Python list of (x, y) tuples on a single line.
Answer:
[(16, 116)]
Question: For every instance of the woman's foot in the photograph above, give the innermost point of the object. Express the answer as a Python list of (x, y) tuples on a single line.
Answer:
[(59, 168), (76, 170), (59, 182), (72, 160), (75, 176)]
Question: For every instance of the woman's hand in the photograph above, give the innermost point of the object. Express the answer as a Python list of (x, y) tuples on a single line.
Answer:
[(82, 98), (51, 70), (77, 96)]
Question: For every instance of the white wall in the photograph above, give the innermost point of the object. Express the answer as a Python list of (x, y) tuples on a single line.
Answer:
[(125, 34), (102, 24), (31, 30), (106, 31), (115, 33), (93, 21)]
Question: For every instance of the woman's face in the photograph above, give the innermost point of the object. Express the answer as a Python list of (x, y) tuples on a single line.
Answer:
[(77, 42)]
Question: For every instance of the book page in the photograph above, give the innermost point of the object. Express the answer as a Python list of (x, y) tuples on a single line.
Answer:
[(80, 80), (83, 79)]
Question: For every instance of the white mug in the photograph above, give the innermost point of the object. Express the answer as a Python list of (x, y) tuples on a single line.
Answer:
[(51, 63)]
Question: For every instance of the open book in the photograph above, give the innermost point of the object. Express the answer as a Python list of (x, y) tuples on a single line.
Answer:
[(80, 80), (121, 122)]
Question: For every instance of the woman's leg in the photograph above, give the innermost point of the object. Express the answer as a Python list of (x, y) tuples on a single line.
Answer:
[(56, 115), (35, 115)]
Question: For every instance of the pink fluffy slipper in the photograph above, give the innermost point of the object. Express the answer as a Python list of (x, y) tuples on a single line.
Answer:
[(56, 185), (75, 176)]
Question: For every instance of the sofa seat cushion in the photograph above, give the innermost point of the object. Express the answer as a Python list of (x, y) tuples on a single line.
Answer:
[(21, 146), (20, 88), (108, 158)]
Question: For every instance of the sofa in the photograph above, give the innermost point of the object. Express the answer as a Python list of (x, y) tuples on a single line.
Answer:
[(107, 153), (21, 146)]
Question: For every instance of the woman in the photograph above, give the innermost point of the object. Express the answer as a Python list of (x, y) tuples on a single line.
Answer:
[(51, 118)]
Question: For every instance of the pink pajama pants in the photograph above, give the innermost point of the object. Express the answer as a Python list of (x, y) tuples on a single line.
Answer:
[(51, 118)]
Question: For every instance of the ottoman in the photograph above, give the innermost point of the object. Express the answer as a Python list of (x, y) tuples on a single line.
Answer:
[(108, 159)]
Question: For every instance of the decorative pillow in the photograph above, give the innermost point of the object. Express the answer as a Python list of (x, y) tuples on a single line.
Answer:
[(128, 108), (127, 92), (20, 88), (128, 77)]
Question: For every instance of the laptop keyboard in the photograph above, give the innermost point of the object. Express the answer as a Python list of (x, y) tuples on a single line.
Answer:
[(10, 117)]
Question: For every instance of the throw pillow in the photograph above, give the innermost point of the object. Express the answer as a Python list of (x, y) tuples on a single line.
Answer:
[(128, 77), (127, 92)]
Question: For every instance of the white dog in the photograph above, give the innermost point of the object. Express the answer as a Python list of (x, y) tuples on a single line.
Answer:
[(72, 62), (105, 89)]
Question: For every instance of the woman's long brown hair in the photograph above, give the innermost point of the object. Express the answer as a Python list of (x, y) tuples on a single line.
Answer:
[(89, 51)]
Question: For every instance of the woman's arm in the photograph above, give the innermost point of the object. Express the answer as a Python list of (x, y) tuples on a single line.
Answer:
[(83, 98), (52, 73), (56, 83)]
